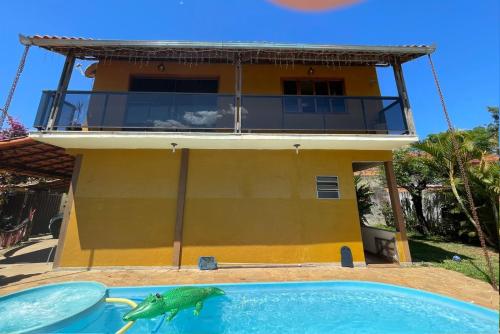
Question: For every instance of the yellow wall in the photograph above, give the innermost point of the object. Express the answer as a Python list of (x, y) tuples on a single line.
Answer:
[(257, 79), (241, 206), (261, 207), (124, 209)]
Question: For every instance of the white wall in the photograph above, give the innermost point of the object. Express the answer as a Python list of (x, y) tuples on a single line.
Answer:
[(370, 233)]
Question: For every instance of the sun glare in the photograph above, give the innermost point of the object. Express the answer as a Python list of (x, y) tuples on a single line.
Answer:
[(314, 5)]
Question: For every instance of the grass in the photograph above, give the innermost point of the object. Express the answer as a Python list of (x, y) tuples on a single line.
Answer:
[(439, 253), (384, 227)]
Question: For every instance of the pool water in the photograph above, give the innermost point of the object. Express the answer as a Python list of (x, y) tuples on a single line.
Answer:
[(49, 306), (312, 307)]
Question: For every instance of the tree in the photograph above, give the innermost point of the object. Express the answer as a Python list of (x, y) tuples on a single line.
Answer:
[(414, 174), (443, 158), (15, 130), (363, 196), (485, 179), (8, 180), (486, 137), (493, 128)]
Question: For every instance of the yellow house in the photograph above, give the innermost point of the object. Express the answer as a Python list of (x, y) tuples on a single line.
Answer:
[(241, 151)]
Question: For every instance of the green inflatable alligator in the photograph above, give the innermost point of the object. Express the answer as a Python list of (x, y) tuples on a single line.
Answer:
[(172, 301)]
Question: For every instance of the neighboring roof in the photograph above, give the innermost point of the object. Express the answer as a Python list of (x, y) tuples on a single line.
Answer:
[(488, 158), (27, 156), (228, 52)]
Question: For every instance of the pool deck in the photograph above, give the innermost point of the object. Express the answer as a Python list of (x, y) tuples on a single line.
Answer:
[(449, 283), (30, 266)]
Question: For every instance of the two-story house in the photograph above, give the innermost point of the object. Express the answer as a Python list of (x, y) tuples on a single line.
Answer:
[(241, 151)]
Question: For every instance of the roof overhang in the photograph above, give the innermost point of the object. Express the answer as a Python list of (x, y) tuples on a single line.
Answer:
[(228, 52), (27, 156), (157, 140)]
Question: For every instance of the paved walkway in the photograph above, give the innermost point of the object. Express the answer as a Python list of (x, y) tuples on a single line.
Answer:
[(449, 283), (36, 250), (33, 271)]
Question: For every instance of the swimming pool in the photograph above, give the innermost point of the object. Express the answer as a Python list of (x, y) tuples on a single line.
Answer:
[(304, 307)]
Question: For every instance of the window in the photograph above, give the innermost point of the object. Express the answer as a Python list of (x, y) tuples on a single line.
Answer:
[(313, 96), (313, 87), (186, 107), (174, 85), (327, 187)]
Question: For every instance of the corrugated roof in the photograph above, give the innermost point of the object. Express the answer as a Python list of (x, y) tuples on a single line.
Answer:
[(260, 52)]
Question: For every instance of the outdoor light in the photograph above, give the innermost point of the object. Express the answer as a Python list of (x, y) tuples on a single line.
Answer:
[(173, 147), (161, 67), (296, 148), (310, 71)]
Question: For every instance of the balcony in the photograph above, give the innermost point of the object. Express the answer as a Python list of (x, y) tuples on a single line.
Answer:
[(215, 113)]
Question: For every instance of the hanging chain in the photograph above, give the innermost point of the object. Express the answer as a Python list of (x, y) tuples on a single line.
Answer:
[(20, 68), (461, 167)]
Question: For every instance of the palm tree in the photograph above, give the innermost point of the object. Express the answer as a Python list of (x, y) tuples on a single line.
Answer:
[(363, 196), (485, 175), (443, 158)]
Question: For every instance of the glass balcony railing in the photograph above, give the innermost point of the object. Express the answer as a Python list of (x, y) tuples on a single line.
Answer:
[(330, 114), (138, 111)]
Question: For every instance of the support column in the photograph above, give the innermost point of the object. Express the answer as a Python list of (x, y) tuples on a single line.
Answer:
[(237, 92), (403, 95), (62, 87), (181, 200), (67, 210), (402, 238)]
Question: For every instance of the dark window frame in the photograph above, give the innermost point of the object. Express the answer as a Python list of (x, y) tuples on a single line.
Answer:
[(314, 80), (174, 77), (298, 95)]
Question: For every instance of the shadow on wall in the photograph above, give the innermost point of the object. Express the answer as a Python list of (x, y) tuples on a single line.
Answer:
[(128, 200), (250, 221), (228, 222), (125, 223), (268, 198)]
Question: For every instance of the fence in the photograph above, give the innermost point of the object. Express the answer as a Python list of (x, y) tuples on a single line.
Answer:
[(47, 205)]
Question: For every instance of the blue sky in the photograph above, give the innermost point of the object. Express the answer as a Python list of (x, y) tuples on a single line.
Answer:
[(465, 32)]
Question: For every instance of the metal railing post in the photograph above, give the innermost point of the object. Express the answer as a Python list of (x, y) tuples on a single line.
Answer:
[(364, 113), (61, 88), (403, 115), (237, 86)]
